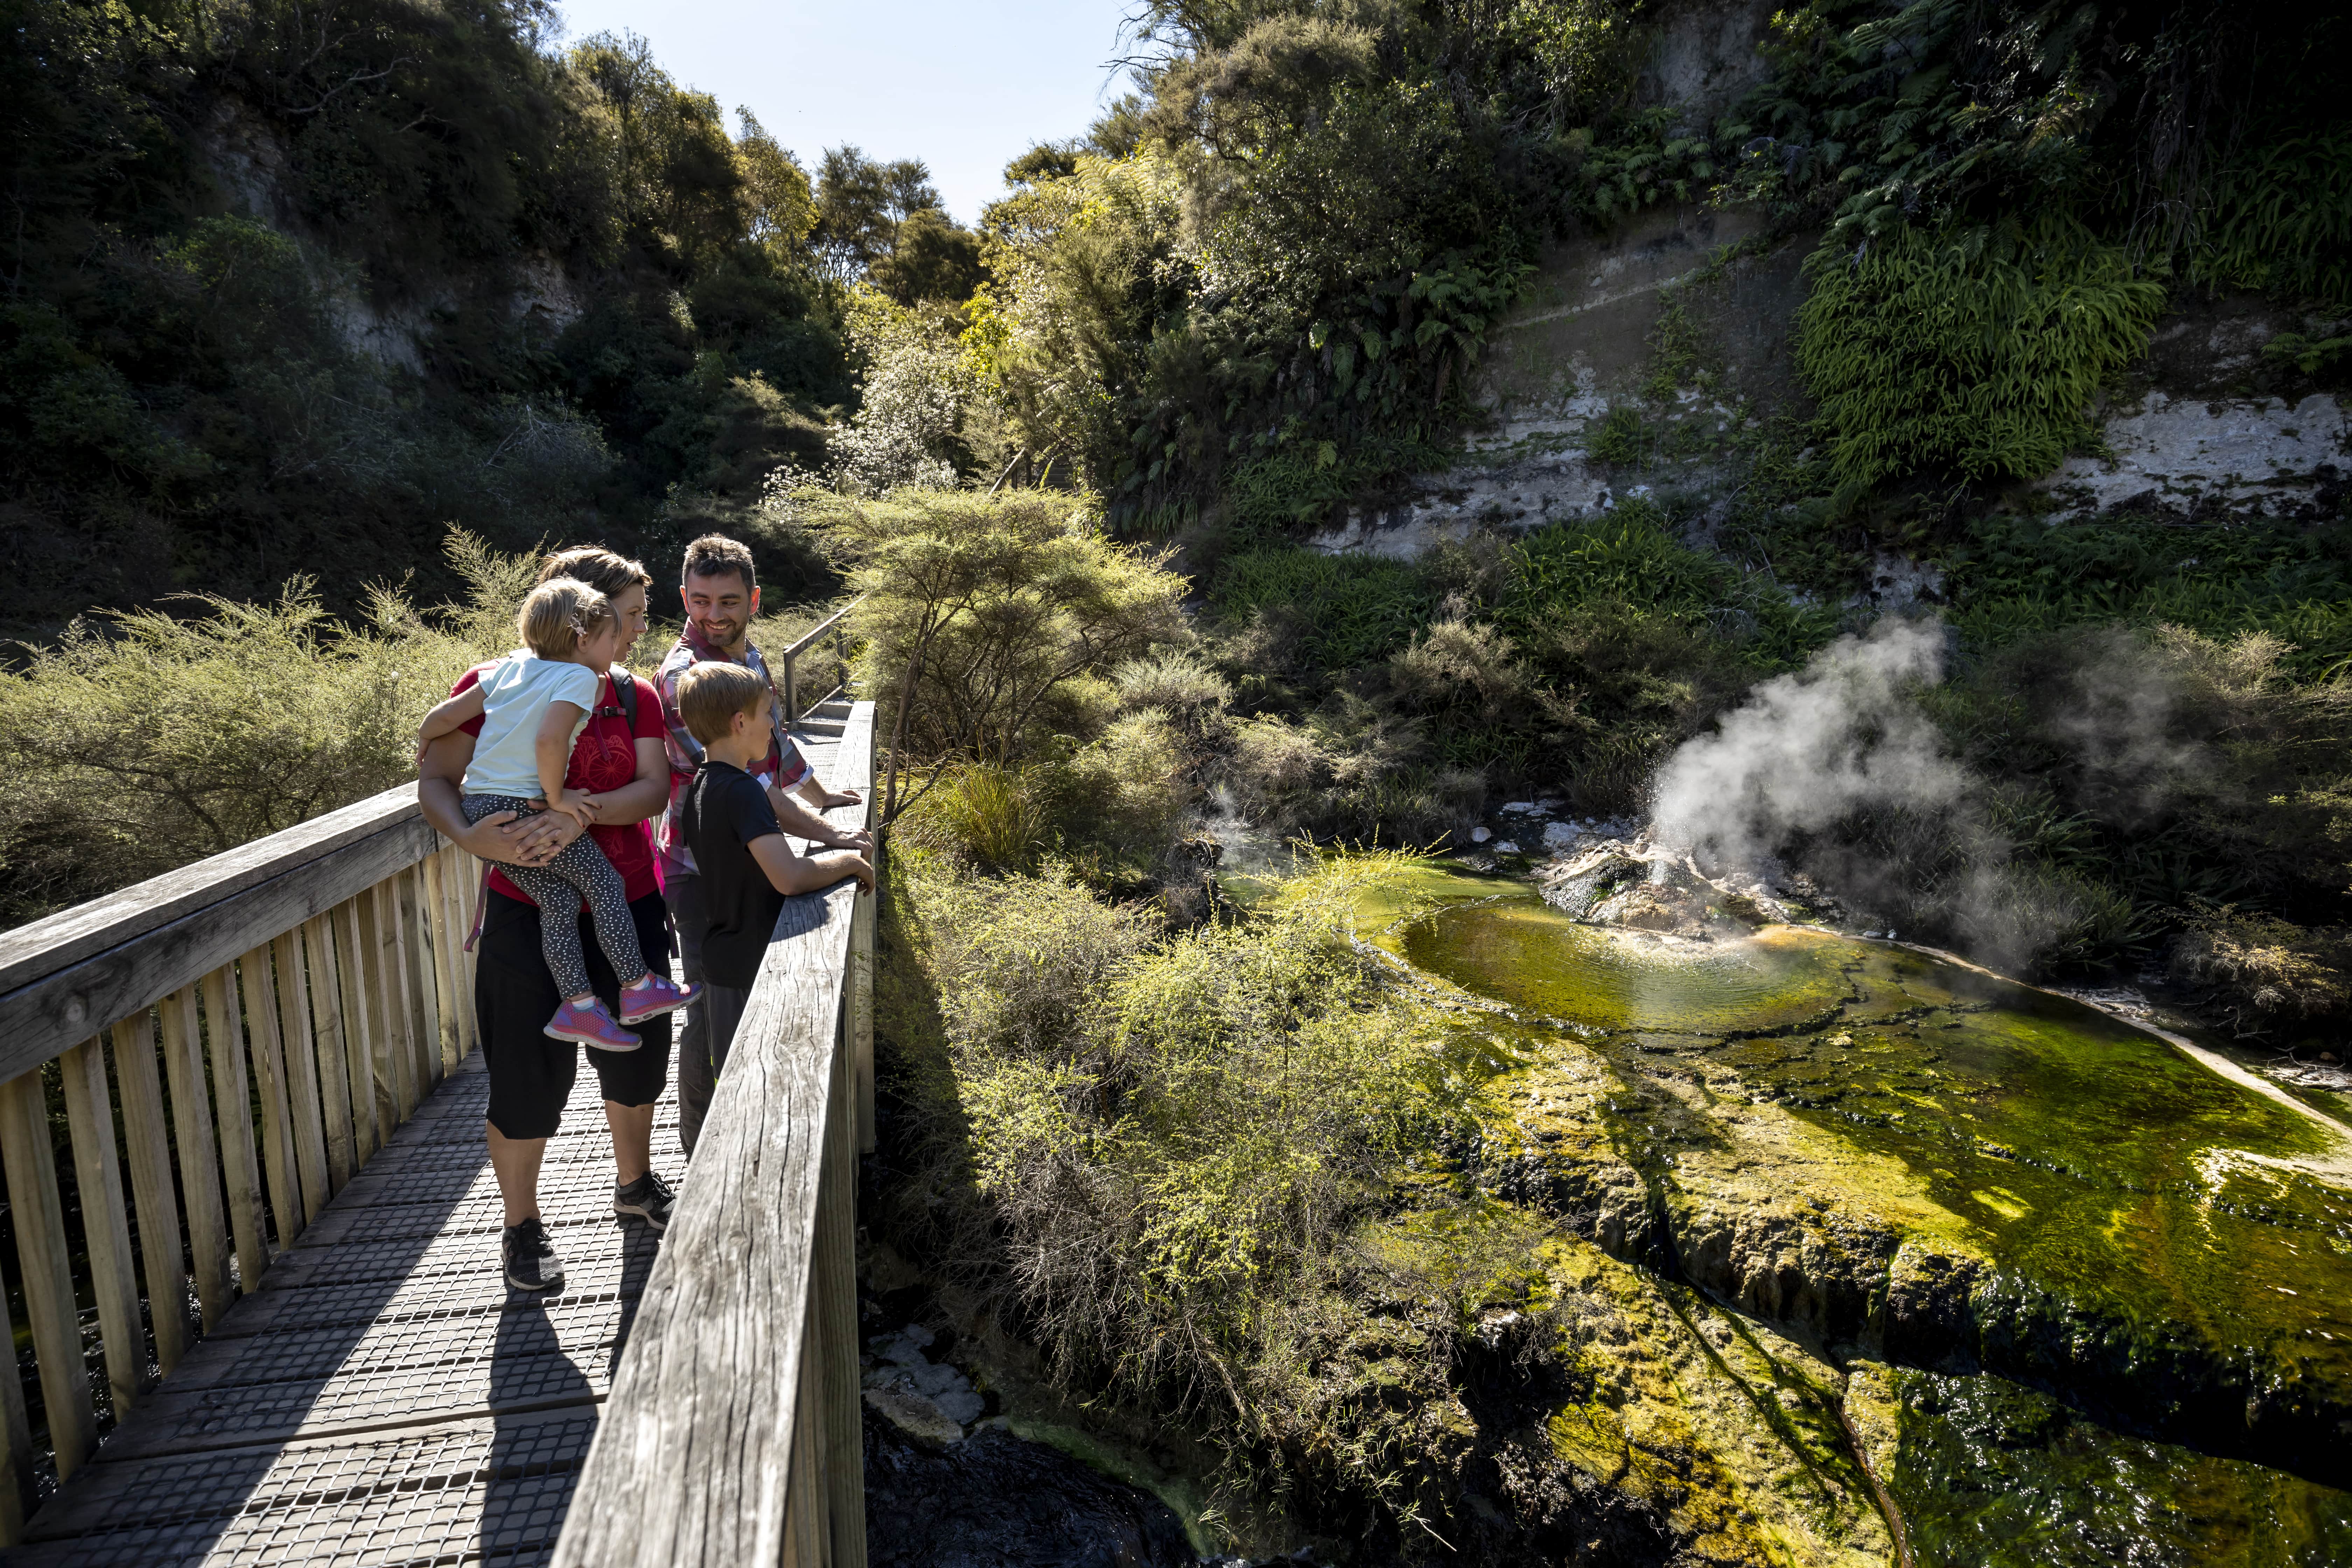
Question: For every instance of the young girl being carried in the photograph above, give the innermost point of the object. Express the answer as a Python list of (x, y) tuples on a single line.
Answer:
[(533, 704)]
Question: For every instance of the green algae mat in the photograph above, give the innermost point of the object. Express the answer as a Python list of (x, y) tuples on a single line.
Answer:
[(2087, 1288)]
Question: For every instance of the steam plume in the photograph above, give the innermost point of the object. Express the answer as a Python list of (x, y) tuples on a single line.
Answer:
[(1806, 749)]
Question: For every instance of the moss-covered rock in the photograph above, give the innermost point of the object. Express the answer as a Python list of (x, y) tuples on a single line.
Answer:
[(1893, 1157)]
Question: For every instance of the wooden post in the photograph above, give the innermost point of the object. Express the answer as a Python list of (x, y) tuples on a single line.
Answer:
[(148, 1141), (46, 1264), (328, 1024), (368, 1133), (302, 1060), (233, 1103), (806, 1525), (269, 1075), (105, 1221), (200, 1176)]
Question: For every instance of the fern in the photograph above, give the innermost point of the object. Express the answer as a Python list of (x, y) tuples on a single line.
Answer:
[(1965, 353)]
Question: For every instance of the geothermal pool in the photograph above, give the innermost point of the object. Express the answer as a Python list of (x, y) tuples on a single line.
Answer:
[(2084, 1296)]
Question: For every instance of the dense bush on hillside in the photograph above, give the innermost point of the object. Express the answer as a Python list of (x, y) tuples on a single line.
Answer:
[(293, 287)]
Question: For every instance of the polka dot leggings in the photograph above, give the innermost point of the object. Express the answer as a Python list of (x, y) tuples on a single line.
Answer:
[(579, 872)]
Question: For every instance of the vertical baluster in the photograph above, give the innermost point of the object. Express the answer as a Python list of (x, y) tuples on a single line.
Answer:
[(200, 1155), (478, 895), (301, 1059), (396, 1062), (105, 1221), (327, 1024), (358, 1033), (460, 882), (233, 1106), (445, 969), (417, 957), (46, 1263), (17, 1455), (269, 1077), (148, 1142)]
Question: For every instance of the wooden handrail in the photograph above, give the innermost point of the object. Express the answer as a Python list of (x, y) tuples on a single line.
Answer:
[(791, 658), (315, 972), (732, 1432), (815, 634)]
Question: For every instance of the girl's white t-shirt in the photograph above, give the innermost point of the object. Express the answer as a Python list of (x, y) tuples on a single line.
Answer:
[(515, 694)]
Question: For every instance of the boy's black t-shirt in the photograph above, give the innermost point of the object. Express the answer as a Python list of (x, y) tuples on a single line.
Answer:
[(723, 811)]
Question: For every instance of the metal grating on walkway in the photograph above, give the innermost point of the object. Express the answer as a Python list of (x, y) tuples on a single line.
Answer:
[(382, 1398)]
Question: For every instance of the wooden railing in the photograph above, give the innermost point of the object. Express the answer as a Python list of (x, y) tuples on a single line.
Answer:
[(317, 975), (835, 627), (732, 1433)]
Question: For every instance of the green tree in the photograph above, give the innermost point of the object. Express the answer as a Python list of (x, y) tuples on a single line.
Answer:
[(979, 612)]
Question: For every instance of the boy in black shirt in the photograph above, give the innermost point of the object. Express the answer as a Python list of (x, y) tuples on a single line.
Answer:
[(747, 866)]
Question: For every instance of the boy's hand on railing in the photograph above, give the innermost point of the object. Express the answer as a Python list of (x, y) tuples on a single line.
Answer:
[(842, 797), (856, 866)]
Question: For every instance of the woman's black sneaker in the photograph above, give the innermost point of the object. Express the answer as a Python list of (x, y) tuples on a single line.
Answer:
[(648, 1197), (531, 1263)]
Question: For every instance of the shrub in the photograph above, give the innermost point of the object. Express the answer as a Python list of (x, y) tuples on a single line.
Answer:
[(147, 740), (156, 740), (993, 814), (1343, 610), (2265, 973), (983, 617), (1176, 679), (1144, 1147)]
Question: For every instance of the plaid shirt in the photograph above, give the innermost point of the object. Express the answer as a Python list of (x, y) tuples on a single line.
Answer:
[(785, 769)]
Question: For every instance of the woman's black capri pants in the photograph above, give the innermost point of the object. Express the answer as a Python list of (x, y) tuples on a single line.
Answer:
[(514, 996)]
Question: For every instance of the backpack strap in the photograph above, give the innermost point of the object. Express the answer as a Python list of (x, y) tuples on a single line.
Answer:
[(625, 688)]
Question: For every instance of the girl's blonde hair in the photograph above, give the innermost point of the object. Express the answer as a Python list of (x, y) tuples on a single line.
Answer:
[(558, 617)]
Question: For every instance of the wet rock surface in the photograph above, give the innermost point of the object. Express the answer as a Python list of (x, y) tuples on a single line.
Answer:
[(947, 1485), (992, 1501)]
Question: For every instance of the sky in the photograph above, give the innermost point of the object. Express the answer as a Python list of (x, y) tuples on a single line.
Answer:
[(965, 85)]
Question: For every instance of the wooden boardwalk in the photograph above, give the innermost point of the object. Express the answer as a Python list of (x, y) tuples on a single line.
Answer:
[(380, 1396), (383, 1397)]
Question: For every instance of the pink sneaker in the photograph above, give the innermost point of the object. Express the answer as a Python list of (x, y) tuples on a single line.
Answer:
[(591, 1026), (653, 996)]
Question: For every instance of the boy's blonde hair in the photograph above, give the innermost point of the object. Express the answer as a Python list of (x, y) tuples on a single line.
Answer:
[(711, 693), (558, 617)]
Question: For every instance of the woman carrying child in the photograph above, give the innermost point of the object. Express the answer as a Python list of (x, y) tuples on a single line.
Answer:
[(619, 762), (534, 705)]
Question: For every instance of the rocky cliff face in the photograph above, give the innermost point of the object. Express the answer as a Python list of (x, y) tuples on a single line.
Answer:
[(1656, 358), (2195, 434)]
